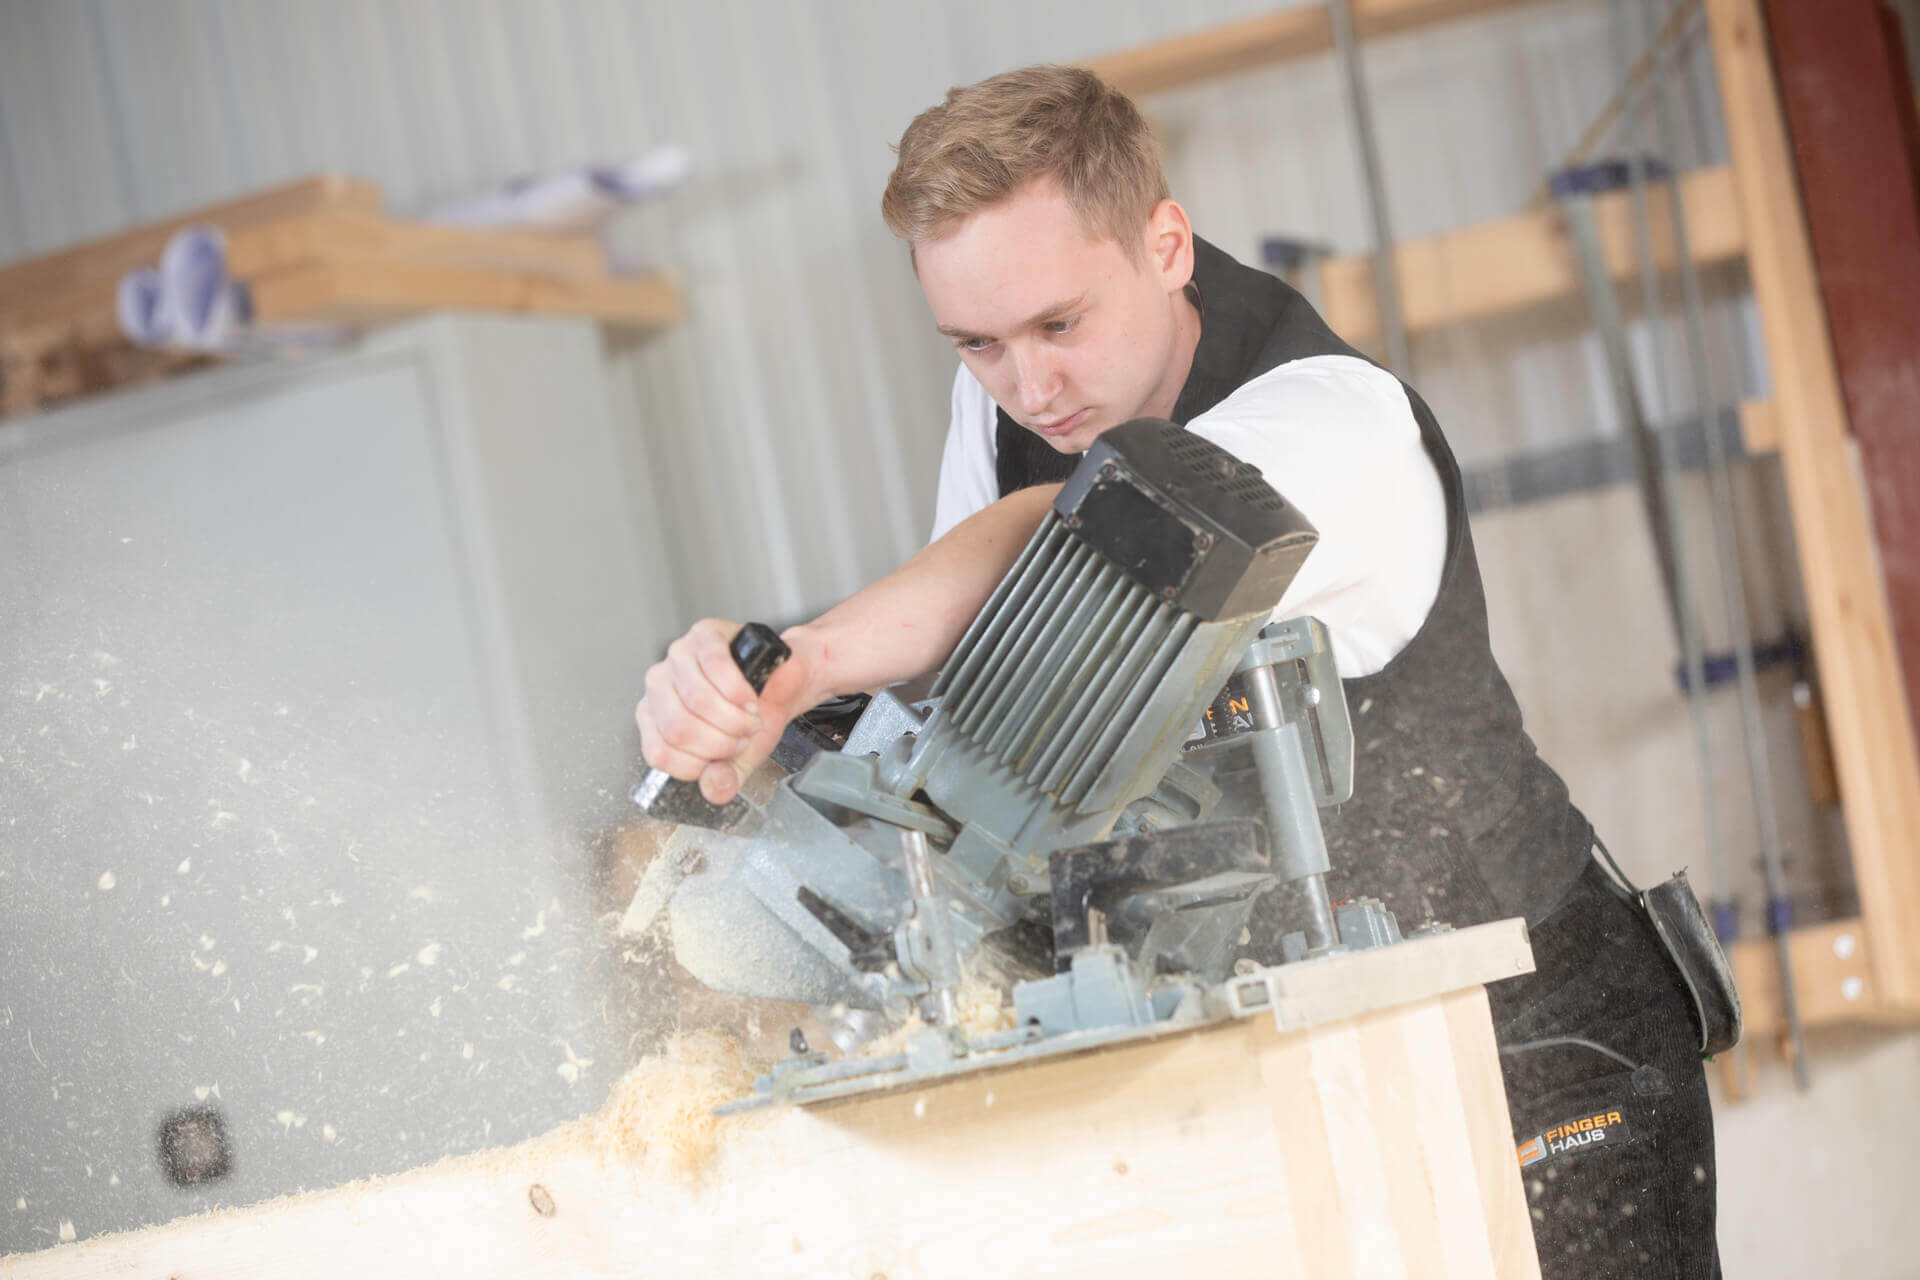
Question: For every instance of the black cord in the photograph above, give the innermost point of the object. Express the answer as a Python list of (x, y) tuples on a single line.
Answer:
[(1552, 1042), (1607, 853)]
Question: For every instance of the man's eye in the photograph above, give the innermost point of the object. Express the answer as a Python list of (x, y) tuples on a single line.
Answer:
[(1062, 326), (974, 344)]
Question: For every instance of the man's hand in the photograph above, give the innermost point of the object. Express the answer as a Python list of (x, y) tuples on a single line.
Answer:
[(700, 718)]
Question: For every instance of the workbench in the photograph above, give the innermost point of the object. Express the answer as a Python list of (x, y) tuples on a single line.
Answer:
[(1370, 1138)]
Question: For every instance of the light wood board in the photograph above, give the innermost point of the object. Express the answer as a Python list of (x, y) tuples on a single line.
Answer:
[(1282, 36), (1528, 259), (374, 291), (1833, 976), (106, 259), (1375, 1146)]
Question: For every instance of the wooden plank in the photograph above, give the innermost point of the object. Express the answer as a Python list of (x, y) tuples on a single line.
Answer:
[(1527, 259), (339, 235), (1833, 977), (320, 235), (1848, 103), (1270, 38), (108, 258), (1860, 676), (1477, 1071), (499, 269), (1238, 1149), (1216, 51), (1759, 427), (19, 385), (1306, 994), (373, 292)]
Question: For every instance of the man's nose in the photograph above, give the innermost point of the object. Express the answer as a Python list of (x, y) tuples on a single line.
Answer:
[(1039, 380)]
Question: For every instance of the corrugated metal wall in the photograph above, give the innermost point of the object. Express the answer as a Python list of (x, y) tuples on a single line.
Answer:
[(789, 432), (791, 428)]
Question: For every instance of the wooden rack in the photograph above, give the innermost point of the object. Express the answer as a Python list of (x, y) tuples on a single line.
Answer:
[(1865, 969), (318, 251)]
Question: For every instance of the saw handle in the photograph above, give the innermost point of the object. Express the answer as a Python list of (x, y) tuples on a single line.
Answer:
[(758, 651)]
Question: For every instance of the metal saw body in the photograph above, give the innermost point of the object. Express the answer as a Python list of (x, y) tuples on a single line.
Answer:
[(1053, 814)]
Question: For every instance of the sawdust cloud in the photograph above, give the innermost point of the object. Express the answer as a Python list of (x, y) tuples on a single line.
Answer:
[(660, 1115)]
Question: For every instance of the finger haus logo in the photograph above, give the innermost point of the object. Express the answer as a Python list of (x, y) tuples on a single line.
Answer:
[(1602, 1128)]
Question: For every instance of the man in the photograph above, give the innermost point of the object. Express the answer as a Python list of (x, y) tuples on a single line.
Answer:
[(1077, 298)]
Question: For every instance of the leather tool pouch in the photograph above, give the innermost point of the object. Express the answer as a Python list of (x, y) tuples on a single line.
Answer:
[(1687, 936)]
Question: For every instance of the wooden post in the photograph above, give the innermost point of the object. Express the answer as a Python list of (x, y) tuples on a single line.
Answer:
[(1849, 109), (1873, 741)]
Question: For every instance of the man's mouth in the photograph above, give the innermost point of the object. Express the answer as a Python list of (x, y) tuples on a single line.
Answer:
[(1060, 426)]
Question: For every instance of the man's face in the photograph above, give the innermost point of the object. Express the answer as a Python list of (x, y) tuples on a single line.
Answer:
[(1067, 332)]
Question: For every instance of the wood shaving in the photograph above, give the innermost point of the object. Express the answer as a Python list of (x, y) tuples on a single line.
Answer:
[(660, 1116), (983, 1007)]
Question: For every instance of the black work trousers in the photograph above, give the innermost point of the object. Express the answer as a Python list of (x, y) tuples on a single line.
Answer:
[(1617, 1157)]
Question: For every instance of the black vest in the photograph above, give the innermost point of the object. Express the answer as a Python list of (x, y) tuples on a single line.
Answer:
[(1454, 815)]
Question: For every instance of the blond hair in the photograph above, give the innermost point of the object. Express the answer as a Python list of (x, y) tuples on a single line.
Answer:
[(988, 140)]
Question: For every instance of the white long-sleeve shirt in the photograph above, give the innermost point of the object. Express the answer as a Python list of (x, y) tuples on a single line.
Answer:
[(1337, 437)]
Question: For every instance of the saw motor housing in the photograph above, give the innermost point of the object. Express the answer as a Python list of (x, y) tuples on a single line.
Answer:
[(1049, 750)]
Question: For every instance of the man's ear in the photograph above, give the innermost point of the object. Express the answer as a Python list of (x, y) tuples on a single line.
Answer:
[(1169, 239)]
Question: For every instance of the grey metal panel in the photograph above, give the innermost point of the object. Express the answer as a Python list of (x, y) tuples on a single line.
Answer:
[(419, 64), (726, 478), (66, 177), (13, 209), (1591, 464), (274, 127), (162, 78), (311, 88), (306, 670)]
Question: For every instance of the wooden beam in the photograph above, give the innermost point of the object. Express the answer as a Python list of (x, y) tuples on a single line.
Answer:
[(339, 235), (1362, 1145), (105, 260), (1281, 36), (1833, 977), (334, 235), (1527, 259), (1834, 984), (1759, 432), (327, 249), (1216, 51), (1873, 741), (374, 291)]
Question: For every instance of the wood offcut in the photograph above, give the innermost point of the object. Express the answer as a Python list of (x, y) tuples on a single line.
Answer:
[(314, 252)]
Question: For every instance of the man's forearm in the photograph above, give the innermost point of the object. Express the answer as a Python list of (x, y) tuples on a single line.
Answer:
[(909, 621)]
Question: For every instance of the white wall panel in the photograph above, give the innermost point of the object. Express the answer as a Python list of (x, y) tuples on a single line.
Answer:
[(163, 80), (13, 212), (63, 144), (792, 426), (432, 120)]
